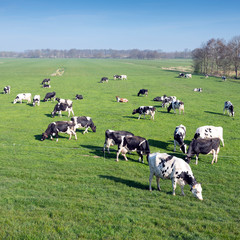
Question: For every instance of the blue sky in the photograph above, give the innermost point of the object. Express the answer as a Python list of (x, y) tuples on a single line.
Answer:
[(170, 25)]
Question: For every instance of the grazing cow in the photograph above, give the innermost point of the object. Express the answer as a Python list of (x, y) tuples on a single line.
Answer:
[(167, 100), (59, 107), (78, 97), (188, 75), (23, 96), (133, 143), (224, 78), (116, 77), (36, 100), (84, 122), (159, 99), (165, 166), (121, 99), (203, 146), (176, 105), (104, 79), (49, 96), (46, 80), (229, 107), (181, 75), (143, 92), (61, 126), (123, 77), (209, 132), (179, 135), (197, 89), (114, 138), (67, 101), (46, 86), (7, 90), (146, 110)]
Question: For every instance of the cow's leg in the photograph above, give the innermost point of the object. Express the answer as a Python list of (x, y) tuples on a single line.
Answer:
[(214, 155), (222, 142), (150, 181), (174, 184), (86, 130), (196, 159), (174, 146), (182, 186), (158, 185), (75, 134), (140, 159), (139, 116), (224, 110), (118, 152)]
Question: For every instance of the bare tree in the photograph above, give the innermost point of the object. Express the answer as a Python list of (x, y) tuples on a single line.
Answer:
[(234, 48)]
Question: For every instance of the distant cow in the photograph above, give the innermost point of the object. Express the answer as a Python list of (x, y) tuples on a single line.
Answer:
[(114, 138), (134, 143), (36, 100), (181, 75), (179, 135), (46, 80), (203, 146), (229, 107), (143, 92), (224, 78), (78, 97), (23, 96), (46, 86), (67, 101), (7, 90), (62, 107), (104, 79), (50, 96), (176, 105), (167, 100), (84, 122), (121, 99), (123, 77), (116, 77), (209, 132), (159, 99), (166, 166), (146, 110), (61, 126), (197, 89), (188, 75)]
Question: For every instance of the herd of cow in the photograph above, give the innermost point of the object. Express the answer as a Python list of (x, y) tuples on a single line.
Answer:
[(206, 139)]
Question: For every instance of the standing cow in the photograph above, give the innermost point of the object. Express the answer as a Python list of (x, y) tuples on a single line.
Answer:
[(23, 96), (7, 89), (143, 92), (229, 107), (166, 166), (50, 95), (134, 143), (146, 110), (114, 138), (84, 122), (176, 105), (59, 107), (203, 146), (36, 100), (104, 79), (179, 135)]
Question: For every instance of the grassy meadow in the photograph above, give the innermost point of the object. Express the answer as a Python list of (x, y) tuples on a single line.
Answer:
[(69, 190)]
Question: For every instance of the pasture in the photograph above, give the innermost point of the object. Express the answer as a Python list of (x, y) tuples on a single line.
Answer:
[(69, 190)]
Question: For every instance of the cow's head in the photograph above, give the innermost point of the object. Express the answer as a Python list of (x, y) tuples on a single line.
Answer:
[(57, 99), (187, 159), (134, 111), (53, 114), (184, 148), (15, 100), (93, 128), (44, 136), (197, 191)]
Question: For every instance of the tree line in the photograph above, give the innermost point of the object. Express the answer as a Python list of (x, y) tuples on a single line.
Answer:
[(218, 57), (97, 53)]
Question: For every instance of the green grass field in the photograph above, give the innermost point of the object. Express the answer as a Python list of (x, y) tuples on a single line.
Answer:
[(68, 190)]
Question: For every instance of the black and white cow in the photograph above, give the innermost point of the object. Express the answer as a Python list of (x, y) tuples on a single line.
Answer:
[(46, 86), (66, 101), (36, 100), (84, 122), (176, 105), (132, 144), (229, 107), (61, 126), (23, 96), (181, 75), (167, 100), (209, 132), (146, 110), (50, 96), (224, 78), (203, 146), (165, 166), (197, 89), (46, 80), (7, 89), (143, 92), (62, 107), (179, 136), (104, 79), (116, 77), (78, 97), (114, 138), (159, 99)]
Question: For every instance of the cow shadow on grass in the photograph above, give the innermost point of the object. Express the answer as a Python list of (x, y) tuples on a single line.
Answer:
[(48, 115), (158, 144), (127, 182), (38, 137), (216, 113)]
